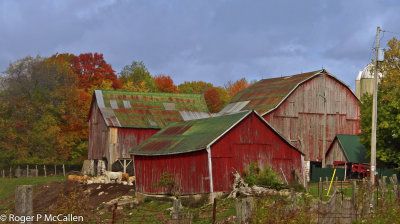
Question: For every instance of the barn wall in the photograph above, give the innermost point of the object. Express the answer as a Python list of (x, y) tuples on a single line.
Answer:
[(251, 140), (300, 118), (190, 171), (335, 154), (128, 138), (98, 134)]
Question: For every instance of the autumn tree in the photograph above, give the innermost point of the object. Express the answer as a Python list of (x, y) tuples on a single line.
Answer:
[(33, 102), (388, 126), (165, 84), (234, 87), (195, 87), (92, 70), (136, 77)]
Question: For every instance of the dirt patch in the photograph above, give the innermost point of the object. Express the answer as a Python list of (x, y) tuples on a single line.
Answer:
[(45, 196)]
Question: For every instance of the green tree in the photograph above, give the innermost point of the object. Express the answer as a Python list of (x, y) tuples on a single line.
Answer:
[(388, 127), (137, 77)]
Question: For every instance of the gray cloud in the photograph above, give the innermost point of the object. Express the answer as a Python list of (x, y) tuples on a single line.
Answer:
[(214, 41)]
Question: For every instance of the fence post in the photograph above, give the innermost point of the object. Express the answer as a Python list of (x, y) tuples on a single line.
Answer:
[(394, 182), (354, 192), (4, 175), (244, 208), (37, 171), (55, 170), (63, 170), (176, 210), (327, 182), (214, 210), (114, 216), (10, 173), (44, 168), (23, 200), (320, 188), (27, 170)]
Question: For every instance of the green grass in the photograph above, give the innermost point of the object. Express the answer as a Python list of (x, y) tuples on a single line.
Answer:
[(8, 185)]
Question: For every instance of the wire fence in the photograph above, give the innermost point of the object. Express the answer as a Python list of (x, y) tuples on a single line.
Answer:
[(39, 170)]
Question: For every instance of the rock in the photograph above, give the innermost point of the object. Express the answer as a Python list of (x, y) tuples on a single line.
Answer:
[(101, 193)]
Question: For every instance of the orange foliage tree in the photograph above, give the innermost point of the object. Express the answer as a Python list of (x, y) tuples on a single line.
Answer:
[(234, 87), (165, 84)]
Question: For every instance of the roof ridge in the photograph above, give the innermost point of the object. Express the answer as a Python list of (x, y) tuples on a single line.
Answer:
[(151, 93)]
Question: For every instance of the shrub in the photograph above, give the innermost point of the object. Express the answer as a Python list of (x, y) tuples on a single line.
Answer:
[(253, 175), (167, 180)]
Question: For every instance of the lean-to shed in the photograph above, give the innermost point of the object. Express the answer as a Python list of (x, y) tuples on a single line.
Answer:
[(203, 154), (296, 105), (347, 149), (121, 120)]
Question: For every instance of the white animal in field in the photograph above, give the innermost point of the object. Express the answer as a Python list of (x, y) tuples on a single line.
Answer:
[(113, 176)]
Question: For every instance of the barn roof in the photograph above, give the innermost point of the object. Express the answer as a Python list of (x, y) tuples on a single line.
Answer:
[(267, 94), (354, 151), (148, 110), (192, 135)]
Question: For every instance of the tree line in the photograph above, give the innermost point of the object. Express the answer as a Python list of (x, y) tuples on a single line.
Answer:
[(44, 103)]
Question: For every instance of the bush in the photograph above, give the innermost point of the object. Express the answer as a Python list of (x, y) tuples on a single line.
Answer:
[(253, 175)]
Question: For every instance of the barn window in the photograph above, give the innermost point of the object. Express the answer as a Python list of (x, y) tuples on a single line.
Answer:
[(113, 104), (127, 104)]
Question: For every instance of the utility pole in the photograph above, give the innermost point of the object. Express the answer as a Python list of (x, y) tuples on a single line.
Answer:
[(374, 113)]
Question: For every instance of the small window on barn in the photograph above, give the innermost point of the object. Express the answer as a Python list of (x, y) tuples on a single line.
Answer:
[(169, 106), (127, 104), (113, 104)]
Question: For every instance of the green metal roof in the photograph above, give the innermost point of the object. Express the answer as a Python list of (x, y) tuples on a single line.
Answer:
[(147, 110), (266, 94), (352, 147), (188, 136)]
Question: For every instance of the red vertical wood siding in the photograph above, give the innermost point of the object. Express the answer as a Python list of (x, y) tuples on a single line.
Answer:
[(251, 140), (189, 169), (128, 138), (300, 117)]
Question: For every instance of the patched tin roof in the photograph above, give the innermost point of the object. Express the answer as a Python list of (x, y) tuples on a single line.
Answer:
[(147, 110), (267, 94), (193, 135), (188, 136)]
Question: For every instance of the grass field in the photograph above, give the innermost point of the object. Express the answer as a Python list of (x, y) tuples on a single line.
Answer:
[(8, 185)]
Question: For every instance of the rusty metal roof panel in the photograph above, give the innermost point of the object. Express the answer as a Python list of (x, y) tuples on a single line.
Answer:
[(267, 94), (188, 136), (146, 110)]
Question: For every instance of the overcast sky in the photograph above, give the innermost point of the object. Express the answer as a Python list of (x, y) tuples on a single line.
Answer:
[(213, 41)]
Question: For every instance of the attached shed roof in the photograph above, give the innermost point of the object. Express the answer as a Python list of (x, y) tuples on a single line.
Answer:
[(354, 151), (188, 136), (267, 94), (193, 135), (148, 110)]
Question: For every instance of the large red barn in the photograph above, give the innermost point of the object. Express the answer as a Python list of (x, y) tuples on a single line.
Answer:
[(295, 107), (121, 120), (203, 154)]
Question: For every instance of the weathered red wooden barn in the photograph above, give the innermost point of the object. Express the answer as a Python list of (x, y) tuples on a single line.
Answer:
[(203, 154), (296, 106), (120, 120)]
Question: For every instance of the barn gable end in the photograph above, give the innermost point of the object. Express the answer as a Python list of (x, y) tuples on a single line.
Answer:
[(294, 106), (120, 120), (219, 146)]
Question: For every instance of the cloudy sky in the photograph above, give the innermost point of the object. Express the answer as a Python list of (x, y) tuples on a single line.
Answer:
[(213, 41)]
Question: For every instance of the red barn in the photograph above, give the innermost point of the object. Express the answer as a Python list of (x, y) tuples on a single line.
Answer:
[(203, 154), (121, 120), (295, 106)]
